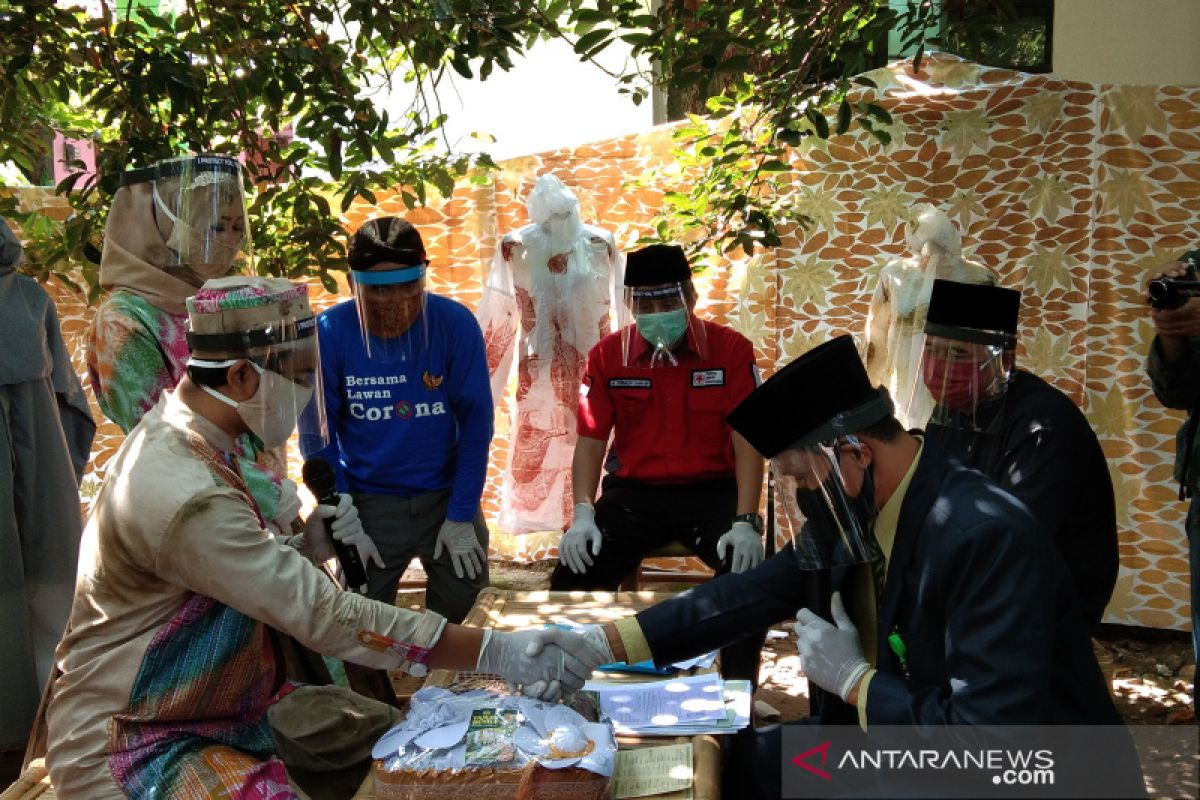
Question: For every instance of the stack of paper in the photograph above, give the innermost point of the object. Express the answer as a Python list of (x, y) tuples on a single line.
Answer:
[(679, 707), (702, 661)]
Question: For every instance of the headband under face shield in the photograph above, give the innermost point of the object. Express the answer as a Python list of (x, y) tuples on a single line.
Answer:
[(965, 373), (391, 312), (657, 327), (286, 356), (200, 210), (829, 503)]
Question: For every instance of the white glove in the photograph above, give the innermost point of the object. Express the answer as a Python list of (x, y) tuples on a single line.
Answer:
[(467, 554), (594, 635), (830, 656), (573, 550), (346, 528), (747, 546), (288, 507), (544, 662)]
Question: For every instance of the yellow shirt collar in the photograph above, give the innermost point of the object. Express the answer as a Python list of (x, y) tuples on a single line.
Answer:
[(889, 515)]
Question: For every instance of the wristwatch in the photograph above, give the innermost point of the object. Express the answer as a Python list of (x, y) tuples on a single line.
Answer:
[(754, 518)]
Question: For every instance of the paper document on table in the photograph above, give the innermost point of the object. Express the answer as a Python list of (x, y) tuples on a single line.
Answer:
[(696, 700), (680, 707), (703, 661), (647, 771)]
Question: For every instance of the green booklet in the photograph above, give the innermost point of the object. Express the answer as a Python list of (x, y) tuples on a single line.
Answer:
[(489, 738)]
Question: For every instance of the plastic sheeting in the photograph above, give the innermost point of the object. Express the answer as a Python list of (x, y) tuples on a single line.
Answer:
[(895, 327), (550, 296)]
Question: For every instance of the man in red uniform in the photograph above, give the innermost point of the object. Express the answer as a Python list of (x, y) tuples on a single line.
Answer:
[(662, 387)]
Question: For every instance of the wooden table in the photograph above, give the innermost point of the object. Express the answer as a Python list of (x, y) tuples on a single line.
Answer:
[(513, 610)]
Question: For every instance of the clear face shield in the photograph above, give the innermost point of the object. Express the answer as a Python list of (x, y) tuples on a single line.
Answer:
[(284, 353), (966, 380), (200, 210), (829, 501), (390, 299), (658, 327)]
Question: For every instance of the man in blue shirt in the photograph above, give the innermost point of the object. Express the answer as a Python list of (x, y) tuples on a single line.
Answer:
[(410, 419)]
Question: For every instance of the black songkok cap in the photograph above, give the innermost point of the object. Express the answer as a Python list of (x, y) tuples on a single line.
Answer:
[(823, 394), (657, 264), (386, 239), (973, 312)]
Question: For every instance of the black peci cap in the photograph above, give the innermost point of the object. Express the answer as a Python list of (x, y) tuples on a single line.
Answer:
[(657, 264), (823, 394), (386, 239), (973, 312)]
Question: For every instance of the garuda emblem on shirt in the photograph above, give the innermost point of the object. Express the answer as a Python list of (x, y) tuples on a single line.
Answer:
[(432, 382)]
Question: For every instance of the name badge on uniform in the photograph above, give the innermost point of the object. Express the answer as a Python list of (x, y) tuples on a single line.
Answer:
[(629, 383), (703, 378)]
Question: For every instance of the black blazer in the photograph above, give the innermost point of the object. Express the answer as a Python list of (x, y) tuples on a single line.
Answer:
[(1039, 447), (979, 595)]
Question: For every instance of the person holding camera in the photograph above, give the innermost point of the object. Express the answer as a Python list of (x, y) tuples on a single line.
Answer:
[(1174, 368)]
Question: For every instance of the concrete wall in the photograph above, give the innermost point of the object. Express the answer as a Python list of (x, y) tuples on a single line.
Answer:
[(1127, 41)]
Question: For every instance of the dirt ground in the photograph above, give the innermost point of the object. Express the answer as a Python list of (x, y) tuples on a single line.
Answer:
[(1150, 672)]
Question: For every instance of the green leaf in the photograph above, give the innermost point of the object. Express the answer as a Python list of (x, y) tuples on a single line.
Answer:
[(461, 65), (819, 123), (880, 113), (774, 165), (592, 39), (845, 116), (589, 15), (333, 153)]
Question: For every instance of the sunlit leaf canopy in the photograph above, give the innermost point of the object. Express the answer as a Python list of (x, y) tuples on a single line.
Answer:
[(752, 78)]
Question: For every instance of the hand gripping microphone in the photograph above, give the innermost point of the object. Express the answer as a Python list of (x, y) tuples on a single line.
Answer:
[(322, 482)]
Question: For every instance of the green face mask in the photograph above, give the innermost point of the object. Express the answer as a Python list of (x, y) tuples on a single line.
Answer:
[(663, 329)]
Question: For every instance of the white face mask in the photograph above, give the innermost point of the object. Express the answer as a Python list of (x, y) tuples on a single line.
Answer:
[(272, 412)]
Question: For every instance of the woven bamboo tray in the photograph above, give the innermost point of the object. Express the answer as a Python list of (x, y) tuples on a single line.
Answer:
[(514, 610), (33, 783)]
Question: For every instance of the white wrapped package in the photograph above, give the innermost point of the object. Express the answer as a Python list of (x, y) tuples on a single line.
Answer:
[(481, 729), (551, 295), (896, 319)]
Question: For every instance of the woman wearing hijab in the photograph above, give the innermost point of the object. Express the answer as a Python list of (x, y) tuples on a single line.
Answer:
[(46, 435), (171, 227)]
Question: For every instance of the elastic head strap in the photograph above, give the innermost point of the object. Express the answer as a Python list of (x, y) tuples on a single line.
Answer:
[(388, 277)]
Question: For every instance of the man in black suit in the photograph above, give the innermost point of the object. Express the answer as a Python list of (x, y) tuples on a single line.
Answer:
[(976, 621), (1020, 431)]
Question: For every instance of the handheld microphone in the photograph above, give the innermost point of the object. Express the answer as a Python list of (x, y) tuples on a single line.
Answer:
[(320, 479)]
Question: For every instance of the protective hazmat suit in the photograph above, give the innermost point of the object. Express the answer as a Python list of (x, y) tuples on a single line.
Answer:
[(896, 319), (552, 293)]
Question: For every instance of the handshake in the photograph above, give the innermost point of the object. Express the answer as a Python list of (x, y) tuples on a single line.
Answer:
[(545, 663)]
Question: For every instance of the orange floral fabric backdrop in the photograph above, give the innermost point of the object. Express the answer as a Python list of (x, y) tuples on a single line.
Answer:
[(1071, 192)]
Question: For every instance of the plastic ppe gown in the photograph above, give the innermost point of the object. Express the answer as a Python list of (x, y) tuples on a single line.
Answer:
[(896, 319), (551, 295), (46, 435)]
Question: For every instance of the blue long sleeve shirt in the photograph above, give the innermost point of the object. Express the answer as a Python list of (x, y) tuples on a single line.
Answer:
[(406, 426)]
